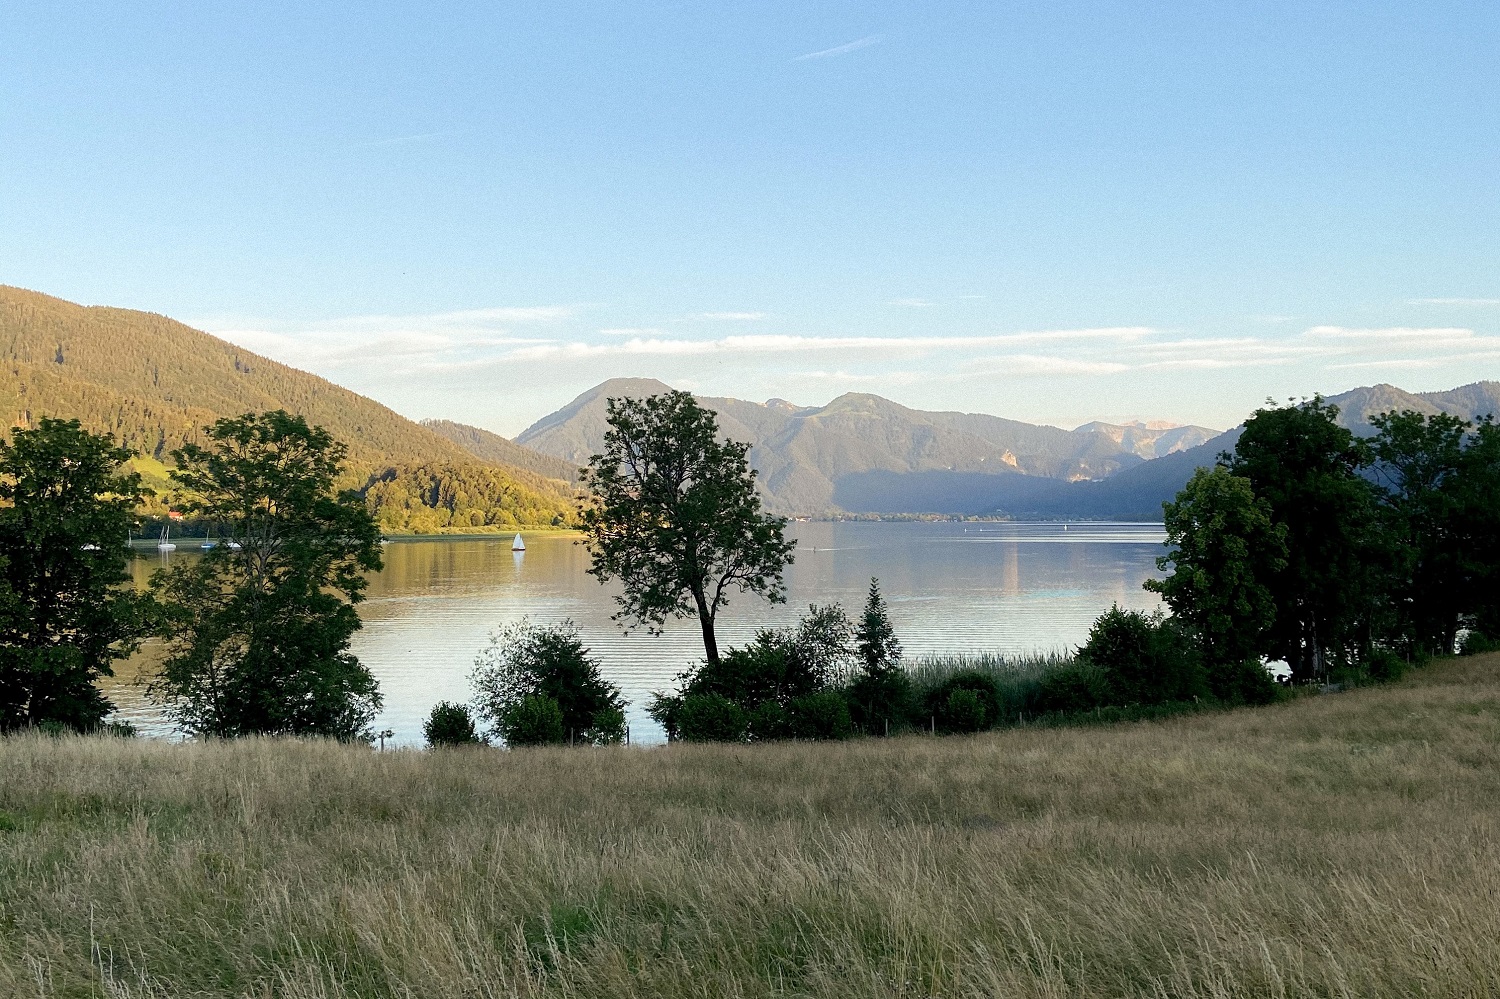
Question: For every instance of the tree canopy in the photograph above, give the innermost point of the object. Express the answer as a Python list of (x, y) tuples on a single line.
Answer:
[(674, 516), (258, 631), (65, 615)]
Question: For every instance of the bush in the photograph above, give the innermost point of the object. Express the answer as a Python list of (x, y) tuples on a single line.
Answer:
[(1476, 642), (536, 721), (964, 712), (823, 715), (880, 701), (1071, 688), (1246, 682), (1384, 666), (973, 713), (450, 724), (527, 660), (1145, 659), (769, 722), (711, 718)]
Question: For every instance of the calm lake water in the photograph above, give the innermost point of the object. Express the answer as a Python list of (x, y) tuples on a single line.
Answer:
[(1011, 588)]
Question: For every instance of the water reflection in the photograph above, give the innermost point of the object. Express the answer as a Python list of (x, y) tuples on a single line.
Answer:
[(951, 587)]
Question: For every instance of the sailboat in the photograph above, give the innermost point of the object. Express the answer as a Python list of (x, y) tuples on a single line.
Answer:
[(165, 545), (518, 545)]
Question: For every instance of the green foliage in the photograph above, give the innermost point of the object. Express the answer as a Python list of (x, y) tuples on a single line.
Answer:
[(967, 701), (1072, 687), (1476, 642), (1244, 681), (65, 614), (436, 499), (1145, 659), (776, 668), (880, 695), (258, 637), (823, 714), (675, 518), (450, 724), (536, 720), (1305, 467), (710, 718), (879, 649), (525, 660), (1225, 552)]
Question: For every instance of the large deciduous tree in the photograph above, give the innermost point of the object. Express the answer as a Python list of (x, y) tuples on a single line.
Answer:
[(1225, 551), (65, 614), (1419, 465), (1307, 468), (674, 516), (258, 631)]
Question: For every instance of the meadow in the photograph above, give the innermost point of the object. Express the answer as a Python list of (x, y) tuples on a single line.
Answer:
[(1343, 845)]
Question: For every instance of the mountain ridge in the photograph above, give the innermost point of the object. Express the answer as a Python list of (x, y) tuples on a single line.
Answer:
[(155, 383)]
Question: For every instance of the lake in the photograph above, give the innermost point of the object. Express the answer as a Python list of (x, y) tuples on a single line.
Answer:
[(951, 587)]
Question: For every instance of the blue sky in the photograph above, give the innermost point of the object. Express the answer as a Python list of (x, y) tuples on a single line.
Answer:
[(1049, 211)]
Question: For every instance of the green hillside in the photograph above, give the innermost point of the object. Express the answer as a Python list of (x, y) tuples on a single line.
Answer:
[(155, 383), (492, 447)]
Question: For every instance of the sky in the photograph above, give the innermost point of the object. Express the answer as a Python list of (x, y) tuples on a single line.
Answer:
[(1049, 211)]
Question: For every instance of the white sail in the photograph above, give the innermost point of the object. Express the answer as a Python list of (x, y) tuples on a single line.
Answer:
[(165, 545), (518, 545)]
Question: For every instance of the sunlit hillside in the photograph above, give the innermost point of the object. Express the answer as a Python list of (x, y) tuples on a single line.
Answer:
[(155, 383)]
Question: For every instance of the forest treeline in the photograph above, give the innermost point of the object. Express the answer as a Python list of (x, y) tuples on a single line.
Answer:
[(154, 384)]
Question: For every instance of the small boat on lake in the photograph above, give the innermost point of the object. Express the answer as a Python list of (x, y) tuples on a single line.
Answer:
[(518, 545), (165, 544)]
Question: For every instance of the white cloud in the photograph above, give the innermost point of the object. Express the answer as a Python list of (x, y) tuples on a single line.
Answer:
[(838, 50), (910, 303), (1453, 301), (631, 331), (1389, 332), (731, 316)]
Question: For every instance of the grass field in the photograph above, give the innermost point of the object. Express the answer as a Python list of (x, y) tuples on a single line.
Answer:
[(1342, 846)]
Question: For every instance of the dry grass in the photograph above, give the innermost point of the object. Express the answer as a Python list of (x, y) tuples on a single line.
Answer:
[(1341, 846)]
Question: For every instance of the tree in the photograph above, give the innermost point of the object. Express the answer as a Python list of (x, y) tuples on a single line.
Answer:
[(526, 661), (1478, 516), (1307, 469), (675, 518), (450, 724), (1224, 552), (65, 613), (258, 631), (880, 695), (1146, 659), (1419, 462)]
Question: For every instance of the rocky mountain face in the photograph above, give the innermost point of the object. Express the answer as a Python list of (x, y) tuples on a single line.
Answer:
[(1468, 402), (863, 453)]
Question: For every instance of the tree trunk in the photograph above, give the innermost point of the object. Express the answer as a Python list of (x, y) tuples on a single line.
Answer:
[(706, 620)]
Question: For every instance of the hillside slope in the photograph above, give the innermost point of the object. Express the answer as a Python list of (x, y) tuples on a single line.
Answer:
[(863, 453), (155, 383), (491, 446)]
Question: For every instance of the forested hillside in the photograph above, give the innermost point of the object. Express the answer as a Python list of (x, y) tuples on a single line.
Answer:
[(155, 383), (492, 447)]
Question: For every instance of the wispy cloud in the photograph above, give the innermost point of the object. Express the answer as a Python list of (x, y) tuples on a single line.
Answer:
[(405, 140), (1420, 337), (730, 316), (787, 343), (910, 303), (838, 50), (1453, 301), (631, 331)]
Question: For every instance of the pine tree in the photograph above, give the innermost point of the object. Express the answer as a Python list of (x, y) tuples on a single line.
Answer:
[(880, 696)]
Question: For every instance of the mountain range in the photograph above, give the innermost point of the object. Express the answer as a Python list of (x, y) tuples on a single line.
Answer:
[(865, 454), (156, 383)]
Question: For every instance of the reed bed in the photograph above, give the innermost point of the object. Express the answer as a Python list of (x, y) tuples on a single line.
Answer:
[(1330, 846)]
